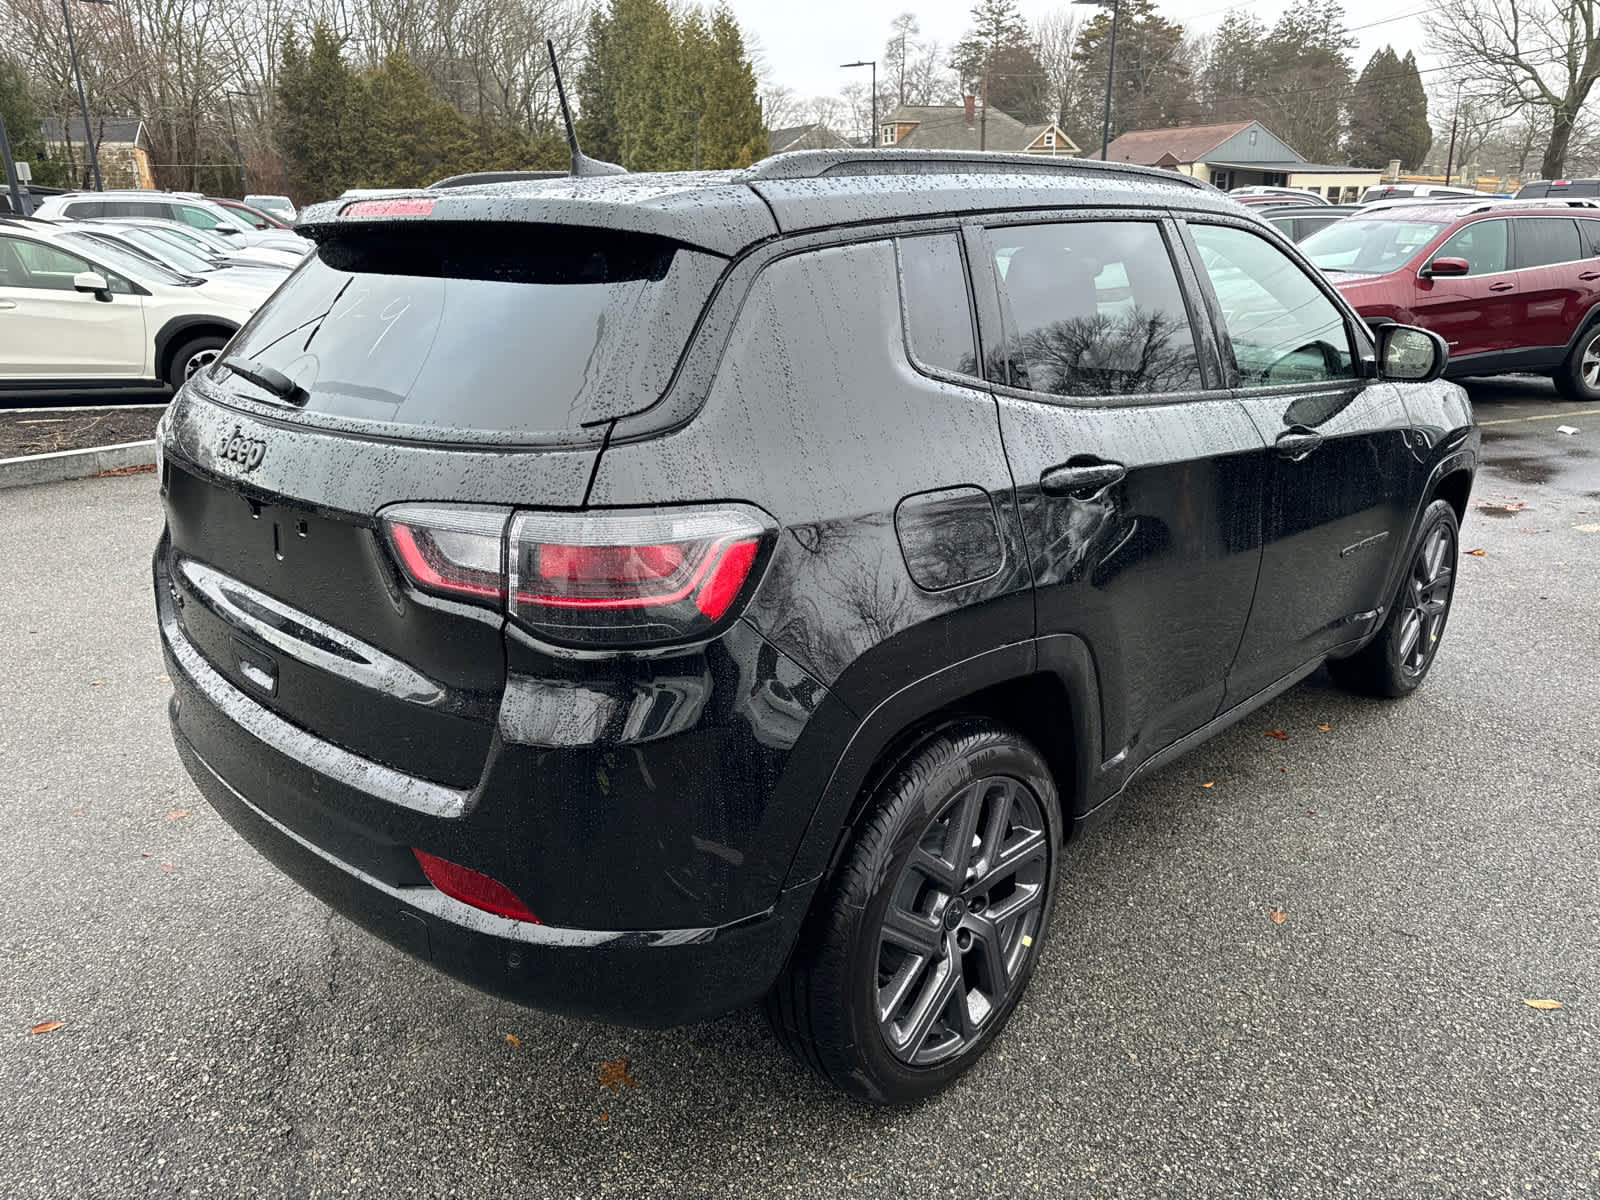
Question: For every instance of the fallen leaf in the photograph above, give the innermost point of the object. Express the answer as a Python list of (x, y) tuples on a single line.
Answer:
[(1544, 1005), (78, 813), (163, 678), (144, 854), (52, 1026), (177, 814), (168, 868), (1311, 812), (1213, 783), (1324, 728), (1276, 733), (514, 1040), (605, 1114), (1590, 528), (614, 1075), (1478, 553), (1278, 915), (97, 683)]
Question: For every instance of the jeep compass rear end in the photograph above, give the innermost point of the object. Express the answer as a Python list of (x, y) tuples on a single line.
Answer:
[(644, 596)]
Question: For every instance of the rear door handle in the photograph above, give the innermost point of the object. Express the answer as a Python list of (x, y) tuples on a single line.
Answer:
[(7, 304), (1501, 287), (1066, 480), (1588, 275), (1295, 444)]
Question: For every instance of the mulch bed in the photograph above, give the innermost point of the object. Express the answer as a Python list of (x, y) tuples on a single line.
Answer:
[(44, 432)]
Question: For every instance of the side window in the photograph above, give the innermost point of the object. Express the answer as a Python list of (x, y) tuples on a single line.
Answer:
[(1482, 244), (86, 210), (127, 208), (1590, 232), (45, 267), (1542, 241), (1284, 329), (938, 308), (1096, 310), (199, 217)]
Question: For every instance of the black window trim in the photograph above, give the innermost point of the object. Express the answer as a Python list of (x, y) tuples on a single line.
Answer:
[(1207, 354), (1363, 349), (1513, 262), (943, 374)]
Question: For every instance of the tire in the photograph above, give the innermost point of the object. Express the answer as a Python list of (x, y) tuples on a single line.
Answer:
[(947, 1002), (192, 356), (1396, 662), (1578, 379)]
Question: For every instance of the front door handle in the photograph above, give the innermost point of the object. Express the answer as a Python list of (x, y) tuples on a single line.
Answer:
[(1501, 287), (1295, 444), (1068, 480), (1588, 275), (7, 304)]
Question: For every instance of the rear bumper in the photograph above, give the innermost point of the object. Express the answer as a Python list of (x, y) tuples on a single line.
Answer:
[(647, 979)]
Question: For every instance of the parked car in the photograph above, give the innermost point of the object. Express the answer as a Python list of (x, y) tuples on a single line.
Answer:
[(184, 208), (215, 245), (255, 217), (79, 315), (1251, 195), (774, 644), (1417, 191), (1559, 188), (174, 254), (1510, 285), (1298, 223), (278, 206)]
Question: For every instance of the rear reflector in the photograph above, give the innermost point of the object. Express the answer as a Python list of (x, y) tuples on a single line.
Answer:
[(611, 579), (408, 206), (473, 887)]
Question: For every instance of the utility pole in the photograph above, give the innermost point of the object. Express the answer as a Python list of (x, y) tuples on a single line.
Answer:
[(18, 208), (83, 104), (873, 137), (233, 131), (1455, 119), (1111, 68)]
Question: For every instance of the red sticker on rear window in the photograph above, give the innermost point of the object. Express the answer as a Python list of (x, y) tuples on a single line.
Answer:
[(410, 206)]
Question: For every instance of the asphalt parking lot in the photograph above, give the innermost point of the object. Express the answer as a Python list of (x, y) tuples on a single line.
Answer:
[(1435, 861)]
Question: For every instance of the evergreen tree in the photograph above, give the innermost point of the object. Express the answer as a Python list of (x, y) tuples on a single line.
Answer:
[(322, 116), (1306, 56), (413, 136), (1152, 89), (23, 127), (997, 62), (730, 121), (1232, 79)]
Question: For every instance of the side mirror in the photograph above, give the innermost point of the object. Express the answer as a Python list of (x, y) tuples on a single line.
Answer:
[(230, 231), (1446, 268), (1407, 354), (92, 281)]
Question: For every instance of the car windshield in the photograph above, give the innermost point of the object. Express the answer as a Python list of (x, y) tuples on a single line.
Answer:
[(174, 253), (195, 241), (1369, 246), (233, 217), (127, 262), (389, 327)]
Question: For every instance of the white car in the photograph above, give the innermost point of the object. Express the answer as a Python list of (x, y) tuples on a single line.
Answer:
[(182, 207), (74, 315)]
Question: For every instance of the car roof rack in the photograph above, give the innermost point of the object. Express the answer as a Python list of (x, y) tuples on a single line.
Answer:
[(833, 164)]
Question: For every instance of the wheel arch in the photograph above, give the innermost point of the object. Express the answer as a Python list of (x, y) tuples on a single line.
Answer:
[(179, 330), (1456, 487), (1045, 688)]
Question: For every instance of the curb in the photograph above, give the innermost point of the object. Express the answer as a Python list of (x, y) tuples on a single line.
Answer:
[(74, 464)]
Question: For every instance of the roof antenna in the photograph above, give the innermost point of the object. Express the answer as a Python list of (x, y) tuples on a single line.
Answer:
[(582, 164)]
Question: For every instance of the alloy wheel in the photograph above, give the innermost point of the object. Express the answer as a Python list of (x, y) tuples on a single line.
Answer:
[(1589, 364), (199, 362), (961, 921), (1427, 599)]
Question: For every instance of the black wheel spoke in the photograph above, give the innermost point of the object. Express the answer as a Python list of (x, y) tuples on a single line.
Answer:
[(1028, 846), (912, 932), (963, 829), (944, 983)]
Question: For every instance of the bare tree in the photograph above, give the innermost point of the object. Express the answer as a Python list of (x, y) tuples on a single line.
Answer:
[(1533, 54), (1054, 36)]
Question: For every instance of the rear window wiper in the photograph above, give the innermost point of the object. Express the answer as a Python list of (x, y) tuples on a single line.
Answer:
[(269, 378)]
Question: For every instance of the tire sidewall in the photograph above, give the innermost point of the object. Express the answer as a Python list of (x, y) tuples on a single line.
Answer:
[(885, 1077), (1405, 681), (1570, 380), (176, 370)]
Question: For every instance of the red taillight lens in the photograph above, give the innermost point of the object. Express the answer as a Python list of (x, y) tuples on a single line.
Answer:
[(405, 206), (453, 551), (610, 579), (473, 887)]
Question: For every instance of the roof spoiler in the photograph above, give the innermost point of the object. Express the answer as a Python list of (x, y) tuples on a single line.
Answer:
[(582, 164)]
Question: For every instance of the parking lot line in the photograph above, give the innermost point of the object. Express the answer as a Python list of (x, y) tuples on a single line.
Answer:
[(1580, 412)]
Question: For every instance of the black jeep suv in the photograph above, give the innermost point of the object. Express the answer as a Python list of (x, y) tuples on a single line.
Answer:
[(644, 596)]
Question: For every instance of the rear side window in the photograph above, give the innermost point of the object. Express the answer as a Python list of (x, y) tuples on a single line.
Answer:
[(489, 328), (1541, 241), (938, 307), (1095, 308), (1589, 231), (199, 217), (1482, 244), (86, 210)]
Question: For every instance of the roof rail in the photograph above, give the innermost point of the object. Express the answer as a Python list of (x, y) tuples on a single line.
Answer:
[(821, 164)]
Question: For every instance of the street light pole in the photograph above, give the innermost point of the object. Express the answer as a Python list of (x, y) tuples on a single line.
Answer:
[(1111, 68), (873, 137), (1455, 117), (233, 131), (83, 104), (695, 113)]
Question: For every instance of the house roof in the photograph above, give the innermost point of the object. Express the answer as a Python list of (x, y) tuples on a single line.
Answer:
[(116, 130), (1184, 144), (821, 137), (945, 127), (1296, 167)]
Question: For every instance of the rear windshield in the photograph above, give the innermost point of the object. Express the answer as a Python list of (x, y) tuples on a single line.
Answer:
[(488, 330), (1369, 245)]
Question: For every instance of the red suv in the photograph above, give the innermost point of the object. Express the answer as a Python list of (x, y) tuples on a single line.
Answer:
[(1510, 287)]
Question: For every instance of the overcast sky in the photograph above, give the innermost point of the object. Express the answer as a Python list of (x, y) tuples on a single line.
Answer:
[(803, 41)]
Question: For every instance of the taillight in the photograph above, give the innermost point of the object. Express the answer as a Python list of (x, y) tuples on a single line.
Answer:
[(405, 206), (473, 887), (599, 579)]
